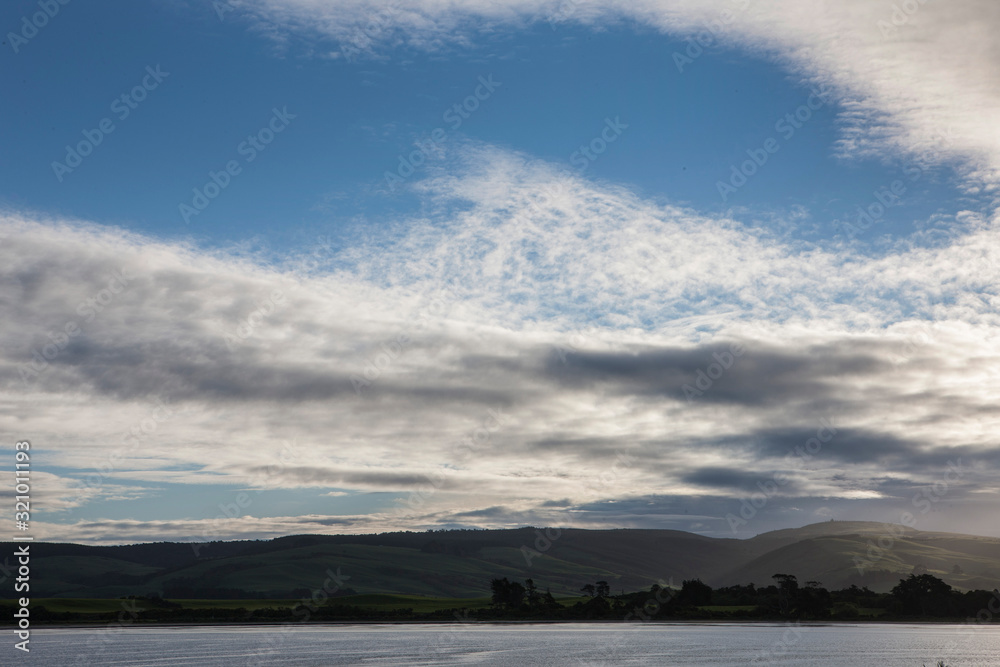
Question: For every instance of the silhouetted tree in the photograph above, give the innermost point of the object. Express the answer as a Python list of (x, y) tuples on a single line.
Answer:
[(923, 595), (602, 590), (788, 593), (596, 607), (588, 589), (515, 595), (813, 601), (498, 588), (531, 593), (694, 593), (506, 594)]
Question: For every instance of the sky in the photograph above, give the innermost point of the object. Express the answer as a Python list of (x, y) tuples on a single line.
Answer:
[(272, 267)]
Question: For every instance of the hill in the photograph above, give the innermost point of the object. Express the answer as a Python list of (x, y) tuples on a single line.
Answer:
[(460, 563)]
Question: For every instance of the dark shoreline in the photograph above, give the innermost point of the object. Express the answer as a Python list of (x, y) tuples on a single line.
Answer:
[(627, 624)]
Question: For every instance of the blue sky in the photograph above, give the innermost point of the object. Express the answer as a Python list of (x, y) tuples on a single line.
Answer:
[(353, 120), (578, 295)]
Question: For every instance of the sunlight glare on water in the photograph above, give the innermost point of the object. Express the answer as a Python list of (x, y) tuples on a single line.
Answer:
[(870, 645)]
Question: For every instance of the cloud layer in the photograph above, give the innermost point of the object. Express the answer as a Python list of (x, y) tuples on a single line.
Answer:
[(536, 349)]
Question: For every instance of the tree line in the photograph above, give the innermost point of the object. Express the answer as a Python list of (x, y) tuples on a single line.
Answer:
[(917, 597), (921, 596)]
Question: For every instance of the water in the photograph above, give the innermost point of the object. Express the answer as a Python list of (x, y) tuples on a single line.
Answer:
[(869, 645)]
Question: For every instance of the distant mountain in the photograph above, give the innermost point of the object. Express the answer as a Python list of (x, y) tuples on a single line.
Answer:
[(460, 563)]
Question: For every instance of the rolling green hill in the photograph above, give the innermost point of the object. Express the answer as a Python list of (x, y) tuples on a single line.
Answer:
[(964, 561), (460, 563)]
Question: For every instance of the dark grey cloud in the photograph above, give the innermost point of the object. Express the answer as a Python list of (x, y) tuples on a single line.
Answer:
[(496, 512), (329, 476), (759, 376), (842, 444), (847, 445), (733, 479), (207, 369)]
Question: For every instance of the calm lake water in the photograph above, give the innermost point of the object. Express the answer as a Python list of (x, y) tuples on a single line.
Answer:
[(575, 644)]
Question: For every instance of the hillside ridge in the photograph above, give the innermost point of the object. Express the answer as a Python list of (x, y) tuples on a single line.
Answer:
[(457, 563)]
